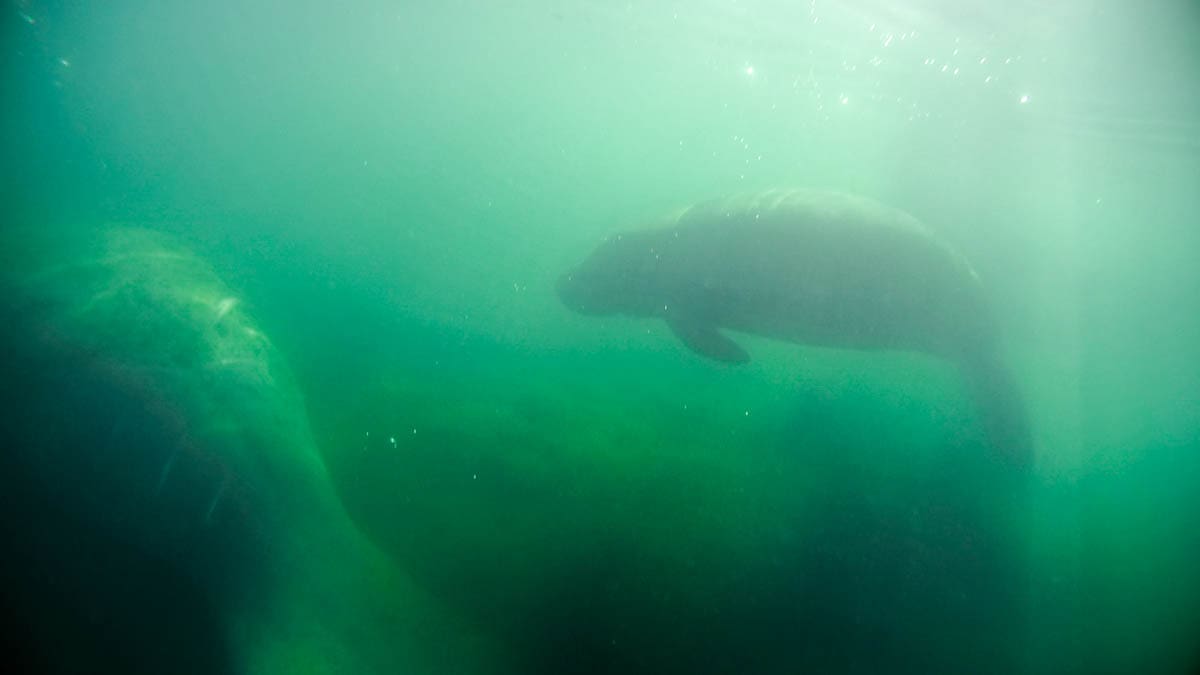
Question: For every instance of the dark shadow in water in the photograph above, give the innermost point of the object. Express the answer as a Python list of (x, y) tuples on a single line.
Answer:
[(893, 569), (82, 602)]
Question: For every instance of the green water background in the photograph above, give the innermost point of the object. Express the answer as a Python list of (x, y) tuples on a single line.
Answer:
[(393, 188)]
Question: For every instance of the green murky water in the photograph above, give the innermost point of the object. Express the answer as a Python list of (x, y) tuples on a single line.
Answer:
[(320, 410)]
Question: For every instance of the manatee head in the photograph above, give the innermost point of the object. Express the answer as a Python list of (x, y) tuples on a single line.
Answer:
[(619, 277)]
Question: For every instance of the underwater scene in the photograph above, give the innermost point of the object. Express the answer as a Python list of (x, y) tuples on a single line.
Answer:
[(753, 337)]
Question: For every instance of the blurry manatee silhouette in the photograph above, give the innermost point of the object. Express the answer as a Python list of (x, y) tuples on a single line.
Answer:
[(811, 267), (158, 412)]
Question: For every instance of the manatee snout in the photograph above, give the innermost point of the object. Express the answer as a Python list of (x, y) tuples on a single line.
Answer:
[(572, 294)]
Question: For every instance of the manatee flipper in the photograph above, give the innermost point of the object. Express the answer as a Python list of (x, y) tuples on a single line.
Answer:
[(1001, 409), (703, 338)]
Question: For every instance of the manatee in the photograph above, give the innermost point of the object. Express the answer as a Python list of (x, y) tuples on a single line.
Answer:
[(147, 402), (810, 267)]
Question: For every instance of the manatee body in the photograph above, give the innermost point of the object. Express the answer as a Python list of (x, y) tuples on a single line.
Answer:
[(811, 267), (148, 404)]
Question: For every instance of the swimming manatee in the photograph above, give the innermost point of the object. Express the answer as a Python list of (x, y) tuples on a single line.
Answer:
[(146, 402), (810, 267)]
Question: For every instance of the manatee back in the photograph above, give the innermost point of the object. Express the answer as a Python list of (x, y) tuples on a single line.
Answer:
[(793, 207), (151, 405), (810, 226)]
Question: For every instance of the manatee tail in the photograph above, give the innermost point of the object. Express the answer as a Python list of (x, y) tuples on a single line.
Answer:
[(1001, 409)]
